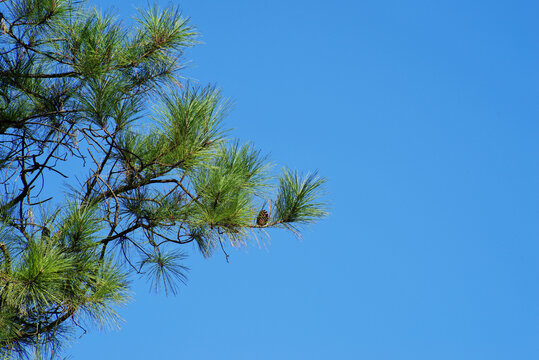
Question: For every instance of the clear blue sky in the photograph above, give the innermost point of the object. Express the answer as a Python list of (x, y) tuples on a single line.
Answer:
[(424, 116)]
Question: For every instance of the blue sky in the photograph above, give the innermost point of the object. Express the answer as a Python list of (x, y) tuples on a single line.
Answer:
[(423, 115)]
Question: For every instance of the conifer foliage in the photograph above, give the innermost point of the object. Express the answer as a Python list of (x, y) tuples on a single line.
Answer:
[(110, 163)]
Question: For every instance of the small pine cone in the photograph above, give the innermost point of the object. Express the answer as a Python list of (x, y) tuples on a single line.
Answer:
[(45, 233), (262, 218)]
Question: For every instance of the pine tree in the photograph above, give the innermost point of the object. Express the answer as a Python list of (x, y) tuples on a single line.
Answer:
[(103, 108)]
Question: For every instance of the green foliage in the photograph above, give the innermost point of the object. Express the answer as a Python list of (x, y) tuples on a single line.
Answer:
[(49, 282), (143, 181), (190, 124), (165, 270), (297, 198)]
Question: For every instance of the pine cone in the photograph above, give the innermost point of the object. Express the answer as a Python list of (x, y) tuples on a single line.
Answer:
[(262, 218), (45, 233)]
